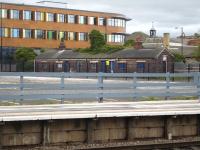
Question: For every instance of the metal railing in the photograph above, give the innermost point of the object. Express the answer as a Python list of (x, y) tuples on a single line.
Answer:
[(99, 86)]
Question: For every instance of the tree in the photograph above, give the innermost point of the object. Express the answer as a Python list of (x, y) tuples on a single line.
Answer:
[(24, 58), (196, 54), (129, 43), (197, 35), (25, 54), (178, 57), (97, 40)]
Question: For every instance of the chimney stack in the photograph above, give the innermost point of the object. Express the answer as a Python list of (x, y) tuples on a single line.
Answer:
[(166, 40)]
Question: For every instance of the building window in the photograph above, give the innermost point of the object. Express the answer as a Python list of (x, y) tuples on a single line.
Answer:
[(71, 36), (82, 36), (117, 22), (71, 18), (3, 13), (39, 16), (101, 21), (111, 22), (60, 66), (123, 23), (44, 65), (50, 17), (39, 34), (140, 67), (122, 67), (82, 20), (4, 32), (91, 20), (62, 35), (27, 15), (14, 14), (15, 33), (115, 38), (51, 35), (60, 18), (27, 33)]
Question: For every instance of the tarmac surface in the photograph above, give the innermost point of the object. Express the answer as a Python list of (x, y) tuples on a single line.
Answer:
[(98, 110)]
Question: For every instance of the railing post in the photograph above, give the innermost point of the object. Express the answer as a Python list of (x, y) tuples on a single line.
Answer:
[(62, 86), (21, 85), (167, 85), (196, 81), (134, 85), (100, 87)]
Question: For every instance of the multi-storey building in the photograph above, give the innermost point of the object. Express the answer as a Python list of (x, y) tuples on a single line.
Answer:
[(45, 27)]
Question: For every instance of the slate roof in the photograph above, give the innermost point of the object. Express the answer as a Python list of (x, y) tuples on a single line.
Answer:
[(123, 54)]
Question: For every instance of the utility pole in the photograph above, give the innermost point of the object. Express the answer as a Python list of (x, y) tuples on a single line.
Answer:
[(182, 36), (1, 53)]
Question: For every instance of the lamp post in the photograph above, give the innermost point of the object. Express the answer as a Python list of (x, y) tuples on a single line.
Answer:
[(182, 36)]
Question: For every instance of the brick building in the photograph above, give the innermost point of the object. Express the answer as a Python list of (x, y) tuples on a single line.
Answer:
[(45, 27), (127, 60)]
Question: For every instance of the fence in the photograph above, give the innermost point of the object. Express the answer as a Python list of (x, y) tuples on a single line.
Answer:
[(183, 67), (100, 86), (14, 66), (147, 67)]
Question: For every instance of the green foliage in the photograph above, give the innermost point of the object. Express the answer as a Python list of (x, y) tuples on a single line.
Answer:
[(129, 43), (178, 57), (25, 54), (42, 50), (196, 54), (97, 40), (197, 35), (112, 48), (25, 59), (98, 44), (104, 49), (25, 66)]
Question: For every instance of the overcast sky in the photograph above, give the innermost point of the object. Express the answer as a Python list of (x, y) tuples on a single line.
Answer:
[(166, 14)]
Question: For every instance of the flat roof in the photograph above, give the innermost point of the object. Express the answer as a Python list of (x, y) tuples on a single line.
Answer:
[(50, 7), (99, 110)]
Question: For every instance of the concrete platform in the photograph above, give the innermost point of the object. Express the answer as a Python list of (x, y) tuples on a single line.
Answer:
[(99, 110)]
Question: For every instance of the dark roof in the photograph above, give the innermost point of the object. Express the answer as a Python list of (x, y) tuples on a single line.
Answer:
[(107, 13), (123, 54)]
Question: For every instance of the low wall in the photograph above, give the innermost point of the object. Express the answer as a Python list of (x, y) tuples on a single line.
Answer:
[(97, 130)]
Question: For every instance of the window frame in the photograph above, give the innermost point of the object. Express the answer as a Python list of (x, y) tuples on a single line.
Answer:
[(14, 15), (82, 36), (59, 18), (3, 32), (39, 16), (101, 21), (70, 17), (30, 15), (15, 34), (42, 36), (24, 34), (3, 13), (50, 17)]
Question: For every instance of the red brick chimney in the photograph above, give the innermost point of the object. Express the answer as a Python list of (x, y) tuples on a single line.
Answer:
[(138, 43)]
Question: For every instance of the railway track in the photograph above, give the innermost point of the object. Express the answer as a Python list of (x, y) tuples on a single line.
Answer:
[(190, 143)]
